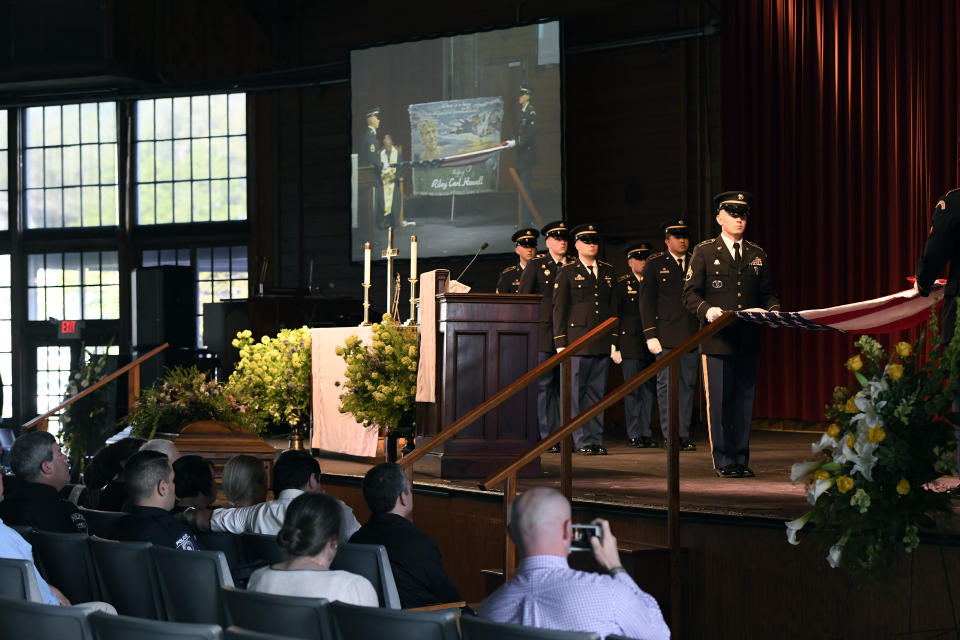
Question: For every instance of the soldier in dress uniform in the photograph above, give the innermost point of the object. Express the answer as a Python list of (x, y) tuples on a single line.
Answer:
[(369, 156), (582, 299), (539, 277), (526, 248), (630, 351), (943, 245), (526, 141), (667, 324), (728, 273)]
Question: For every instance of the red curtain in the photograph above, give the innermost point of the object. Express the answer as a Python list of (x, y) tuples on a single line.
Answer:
[(841, 116)]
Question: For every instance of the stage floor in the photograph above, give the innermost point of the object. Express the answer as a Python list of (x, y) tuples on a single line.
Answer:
[(636, 478)]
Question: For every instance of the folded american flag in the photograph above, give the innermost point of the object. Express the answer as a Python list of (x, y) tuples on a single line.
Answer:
[(891, 313)]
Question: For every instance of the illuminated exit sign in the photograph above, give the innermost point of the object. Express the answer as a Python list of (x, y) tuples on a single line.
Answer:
[(69, 329)]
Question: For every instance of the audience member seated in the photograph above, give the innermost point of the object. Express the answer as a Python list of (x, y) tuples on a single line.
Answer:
[(151, 490), (547, 593), (13, 545), (166, 447), (244, 481), (41, 470), (294, 473), (310, 536), (104, 475), (415, 559), (194, 481)]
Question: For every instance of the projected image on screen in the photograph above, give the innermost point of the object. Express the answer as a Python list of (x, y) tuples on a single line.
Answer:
[(456, 140)]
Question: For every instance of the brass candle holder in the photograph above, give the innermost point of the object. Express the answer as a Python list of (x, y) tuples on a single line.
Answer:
[(413, 301), (366, 305)]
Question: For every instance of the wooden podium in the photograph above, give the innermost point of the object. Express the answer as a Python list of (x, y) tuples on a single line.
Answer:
[(484, 343)]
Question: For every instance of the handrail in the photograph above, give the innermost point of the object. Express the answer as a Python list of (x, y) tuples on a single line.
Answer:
[(110, 378), (607, 401), (507, 392)]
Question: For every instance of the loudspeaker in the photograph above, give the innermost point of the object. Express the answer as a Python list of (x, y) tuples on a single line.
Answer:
[(164, 303)]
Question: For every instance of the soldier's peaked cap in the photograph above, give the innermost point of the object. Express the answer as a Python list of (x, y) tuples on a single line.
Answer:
[(738, 201), (640, 251), (526, 237), (585, 232), (556, 229)]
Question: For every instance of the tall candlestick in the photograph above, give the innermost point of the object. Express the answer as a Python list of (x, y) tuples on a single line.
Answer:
[(366, 263), (413, 257)]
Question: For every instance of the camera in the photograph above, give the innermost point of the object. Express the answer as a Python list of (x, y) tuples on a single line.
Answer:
[(581, 536)]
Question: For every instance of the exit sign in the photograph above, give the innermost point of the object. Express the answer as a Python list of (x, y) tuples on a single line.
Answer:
[(69, 329)]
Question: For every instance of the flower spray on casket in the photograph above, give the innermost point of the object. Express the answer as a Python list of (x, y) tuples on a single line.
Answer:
[(890, 438)]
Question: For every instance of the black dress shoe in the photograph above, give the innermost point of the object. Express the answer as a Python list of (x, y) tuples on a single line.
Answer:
[(745, 471), (728, 471), (554, 449), (587, 450), (643, 442), (599, 451), (686, 444)]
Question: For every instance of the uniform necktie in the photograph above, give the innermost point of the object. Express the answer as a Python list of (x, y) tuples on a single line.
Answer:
[(681, 265), (736, 253), (592, 274)]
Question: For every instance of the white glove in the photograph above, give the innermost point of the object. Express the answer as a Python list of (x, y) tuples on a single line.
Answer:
[(713, 313), (756, 310), (654, 346), (916, 285), (559, 349), (615, 355)]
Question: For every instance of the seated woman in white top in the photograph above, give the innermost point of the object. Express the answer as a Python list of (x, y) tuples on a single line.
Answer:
[(309, 535)]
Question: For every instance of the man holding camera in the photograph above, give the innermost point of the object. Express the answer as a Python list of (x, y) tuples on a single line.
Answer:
[(547, 593)]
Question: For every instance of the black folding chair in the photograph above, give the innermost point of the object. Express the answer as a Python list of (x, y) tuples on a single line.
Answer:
[(66, 563), (292, 616)]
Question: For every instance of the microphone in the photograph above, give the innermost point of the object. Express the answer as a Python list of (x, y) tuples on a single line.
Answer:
[(482, 247)]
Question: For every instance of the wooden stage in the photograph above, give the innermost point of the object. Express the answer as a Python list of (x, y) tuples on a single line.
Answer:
[(741, 579)]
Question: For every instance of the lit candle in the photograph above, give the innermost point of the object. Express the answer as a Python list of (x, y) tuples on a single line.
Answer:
[(366, 263), (413, 257)]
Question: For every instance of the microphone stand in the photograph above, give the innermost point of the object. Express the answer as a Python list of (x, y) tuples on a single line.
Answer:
[(482, 247)]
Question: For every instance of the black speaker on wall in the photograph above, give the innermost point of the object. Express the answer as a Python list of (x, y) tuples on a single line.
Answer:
[(164, 307)]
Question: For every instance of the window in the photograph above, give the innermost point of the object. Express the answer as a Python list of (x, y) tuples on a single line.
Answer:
[(73, 285), (53, 374), (4, 198), (221, 273), (191, 156), (6, 341), (71, 166)]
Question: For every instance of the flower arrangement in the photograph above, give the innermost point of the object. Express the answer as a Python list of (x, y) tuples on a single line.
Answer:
[(890, 437), (273, 375), (381, 384), (85, 424), (185, 395)]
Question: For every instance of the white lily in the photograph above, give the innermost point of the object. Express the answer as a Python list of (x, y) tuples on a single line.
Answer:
[(826, 442), (818, 488), (801, 469), (833, 556), (794, 526), (864, 460), (868, 416)]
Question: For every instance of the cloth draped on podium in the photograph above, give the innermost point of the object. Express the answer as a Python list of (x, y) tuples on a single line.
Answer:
[(895, 312), (332, 430), (427, 367)]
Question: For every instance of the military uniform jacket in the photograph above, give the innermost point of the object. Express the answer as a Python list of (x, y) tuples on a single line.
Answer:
[(943, 245), (539, 277), (661, 301), (39, 506), (582, 302), (368, 155), (630, 342), (527, 137), (714, 281), (509, 280)]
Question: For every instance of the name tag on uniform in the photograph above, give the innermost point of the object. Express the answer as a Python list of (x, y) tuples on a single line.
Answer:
[(631, 290), (665, 270), (608, 279)]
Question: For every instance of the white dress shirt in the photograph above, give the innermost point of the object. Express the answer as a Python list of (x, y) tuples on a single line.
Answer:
[(267, 517)]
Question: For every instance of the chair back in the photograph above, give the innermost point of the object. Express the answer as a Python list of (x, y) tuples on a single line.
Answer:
[(352, 621), (236, 633), (18, 580), (230, 543), (473, 628), (65, 561), (21, 619), (128, 577), (102, 523), (190, 582), (291, 616), (24, 530), (371, 562), (108, 627), (262, 548)]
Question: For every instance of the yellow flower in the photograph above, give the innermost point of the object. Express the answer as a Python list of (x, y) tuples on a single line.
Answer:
[(820, 474), (845, 484), (854, 363), (903, 487), (895, 371), (851, 441), (833, 430), (876, 434), (851, 406), (903, 349)]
